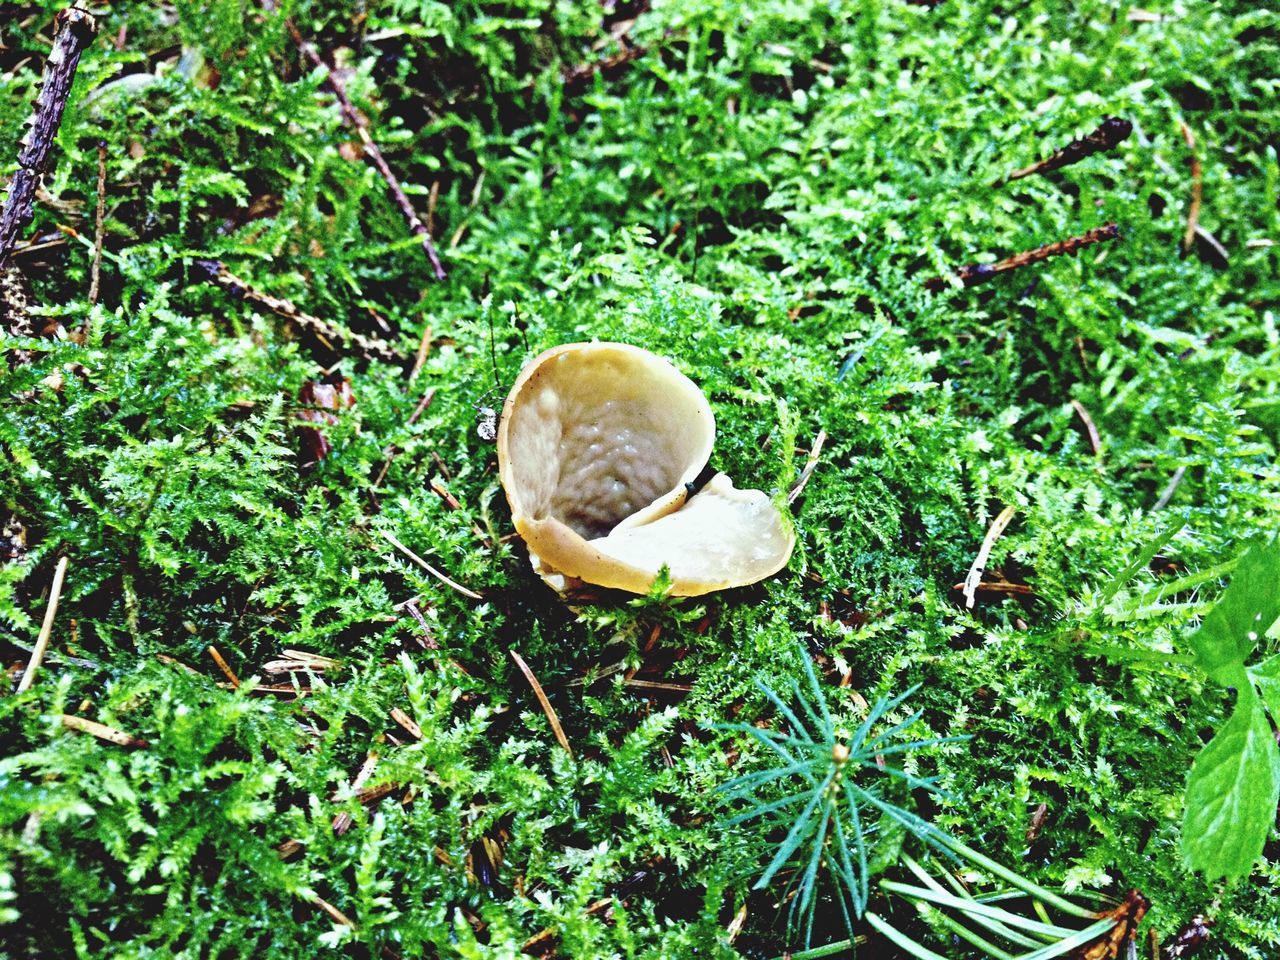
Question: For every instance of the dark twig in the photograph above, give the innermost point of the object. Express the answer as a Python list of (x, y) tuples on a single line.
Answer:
[(1109, 134), (981, 272), (323, 331), (99, 215), (73, 29), (371, 150)]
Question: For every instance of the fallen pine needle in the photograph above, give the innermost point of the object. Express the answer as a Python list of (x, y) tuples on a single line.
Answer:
[(101, 731), (980, 561), (46, 628), (428, 567), (542, 699)]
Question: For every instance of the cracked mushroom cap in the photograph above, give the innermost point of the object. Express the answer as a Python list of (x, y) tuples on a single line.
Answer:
[(598, 447)]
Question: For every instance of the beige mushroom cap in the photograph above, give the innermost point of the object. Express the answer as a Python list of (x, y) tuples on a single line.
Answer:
[(596, 446)]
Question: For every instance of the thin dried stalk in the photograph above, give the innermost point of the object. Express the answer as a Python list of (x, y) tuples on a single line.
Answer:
[(429, 568), (974, 579), (810, 465), (224, 667), (46, 628), (1090, 427)]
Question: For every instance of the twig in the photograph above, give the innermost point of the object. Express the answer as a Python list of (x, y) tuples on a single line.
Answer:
[(371, 150), (73, 29), (810, 465), (981, 272), (1197, 189), (1111, 132), (46, 628), (542, 699), (428, 567), (1095, 441), (101, 731), (322, 330), (974, 578), (95, 274), (224, 667)]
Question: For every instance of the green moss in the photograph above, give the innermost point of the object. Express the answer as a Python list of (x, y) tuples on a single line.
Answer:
[(760, 196)]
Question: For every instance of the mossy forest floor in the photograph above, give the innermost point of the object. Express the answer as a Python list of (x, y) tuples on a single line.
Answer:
[(759, 191)]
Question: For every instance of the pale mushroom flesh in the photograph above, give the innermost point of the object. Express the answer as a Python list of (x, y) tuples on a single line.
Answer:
[(598, 449)]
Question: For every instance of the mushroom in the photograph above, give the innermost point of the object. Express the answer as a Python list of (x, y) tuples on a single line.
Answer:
[(598, 450)]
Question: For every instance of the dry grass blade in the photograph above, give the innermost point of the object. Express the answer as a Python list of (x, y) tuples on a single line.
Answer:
[(974, 579), (542, 699), (46, 628), (101, 731), (809, 466)]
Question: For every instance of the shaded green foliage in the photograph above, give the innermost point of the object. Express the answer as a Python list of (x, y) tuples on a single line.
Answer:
[(760, 196)]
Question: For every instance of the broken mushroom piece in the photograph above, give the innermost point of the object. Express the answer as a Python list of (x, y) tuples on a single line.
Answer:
[(598, 448)]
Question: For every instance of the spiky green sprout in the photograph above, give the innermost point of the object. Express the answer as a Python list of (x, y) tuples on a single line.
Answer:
[(835, 779)]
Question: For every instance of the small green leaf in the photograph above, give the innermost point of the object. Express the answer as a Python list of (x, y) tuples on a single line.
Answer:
[(1232, 794), (1247, 609)]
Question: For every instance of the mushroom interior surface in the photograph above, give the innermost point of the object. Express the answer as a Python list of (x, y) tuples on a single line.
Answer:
[(598, 433), (598, 449)]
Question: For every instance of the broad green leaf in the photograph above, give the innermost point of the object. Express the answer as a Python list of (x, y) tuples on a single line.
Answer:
[(1232, 794), (1247, 609)]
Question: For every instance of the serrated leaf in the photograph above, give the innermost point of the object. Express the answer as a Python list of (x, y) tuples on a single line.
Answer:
[(1232, 793), (1266, 677), (1248, 607)]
